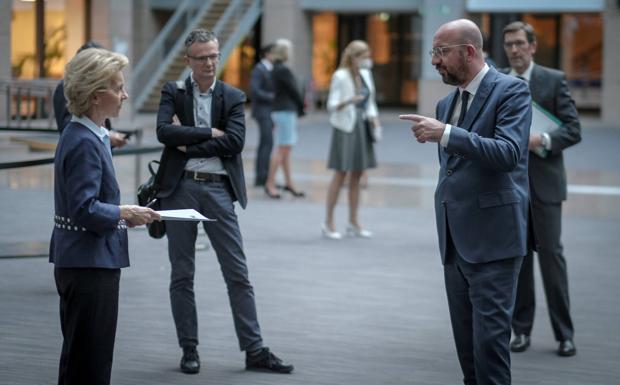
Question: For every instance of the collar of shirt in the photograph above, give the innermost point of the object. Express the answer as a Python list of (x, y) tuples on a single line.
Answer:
[(101, 132), (527, 74), (267, 64), (473, 85), (197, 91)]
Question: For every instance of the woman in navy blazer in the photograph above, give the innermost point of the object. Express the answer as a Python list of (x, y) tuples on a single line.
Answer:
[(89, 240)]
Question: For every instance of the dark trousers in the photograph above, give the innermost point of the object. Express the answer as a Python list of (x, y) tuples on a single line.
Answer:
[(214, 200), (481, 299), (547, 222), (88, 314), (265, 146)]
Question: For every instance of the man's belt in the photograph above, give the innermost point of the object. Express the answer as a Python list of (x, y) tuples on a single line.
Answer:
[(205, 176)]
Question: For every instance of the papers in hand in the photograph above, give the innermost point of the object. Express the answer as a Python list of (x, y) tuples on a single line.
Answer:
[(542, 121), (182, 215)]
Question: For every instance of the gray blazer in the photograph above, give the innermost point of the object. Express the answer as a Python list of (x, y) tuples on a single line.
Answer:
[(548, 175), (482, 197)]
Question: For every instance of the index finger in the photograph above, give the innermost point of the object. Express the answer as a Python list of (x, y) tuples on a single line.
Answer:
[(411, 117)]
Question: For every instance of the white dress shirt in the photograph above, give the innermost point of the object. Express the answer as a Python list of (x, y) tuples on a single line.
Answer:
[(472, 88)]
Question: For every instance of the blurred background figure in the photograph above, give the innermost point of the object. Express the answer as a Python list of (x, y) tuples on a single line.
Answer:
[(352, 113), (89, 242), (262, 93), (63, 116), (547, 182), (288, 104)]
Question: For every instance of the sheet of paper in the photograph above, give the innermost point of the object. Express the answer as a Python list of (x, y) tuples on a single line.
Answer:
[(183, 215), (542, 121)]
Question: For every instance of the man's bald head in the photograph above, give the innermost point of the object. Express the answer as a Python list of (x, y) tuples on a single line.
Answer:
[(463, 31), (457, 52)]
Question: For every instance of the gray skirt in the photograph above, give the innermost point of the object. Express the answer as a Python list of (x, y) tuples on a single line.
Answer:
[(351, 151)]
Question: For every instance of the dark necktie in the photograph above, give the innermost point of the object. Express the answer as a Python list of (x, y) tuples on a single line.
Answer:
[(464, 100)]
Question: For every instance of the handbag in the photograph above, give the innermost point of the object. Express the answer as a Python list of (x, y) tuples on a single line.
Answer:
[(147, 192), (375, 133)]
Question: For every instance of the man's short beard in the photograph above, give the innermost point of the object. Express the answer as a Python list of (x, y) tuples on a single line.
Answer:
[(459, 76)]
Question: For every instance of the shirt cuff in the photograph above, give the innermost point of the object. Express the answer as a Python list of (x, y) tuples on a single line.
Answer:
[(546, 141), (446, 136)]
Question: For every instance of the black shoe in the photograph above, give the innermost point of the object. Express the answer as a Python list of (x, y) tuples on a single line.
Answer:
[(272, 195), (520, 343), (567, 348), (190, 362), (296, 194), (266, 361)]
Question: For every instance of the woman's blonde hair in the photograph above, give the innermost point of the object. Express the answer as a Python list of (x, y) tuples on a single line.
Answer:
[(353, 50), (89, 71), (282, 49)]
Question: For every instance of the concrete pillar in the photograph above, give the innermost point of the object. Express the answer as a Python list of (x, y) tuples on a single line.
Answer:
[(112, 26), (6, 7), (610, 113), (285, 19), (431, 88)]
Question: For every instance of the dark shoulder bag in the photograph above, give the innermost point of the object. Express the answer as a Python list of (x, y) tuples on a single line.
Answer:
[(147, 192)]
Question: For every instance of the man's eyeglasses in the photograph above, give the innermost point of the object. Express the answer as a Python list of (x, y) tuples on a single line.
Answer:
[(519, 44), (203, 59), (439, 51)]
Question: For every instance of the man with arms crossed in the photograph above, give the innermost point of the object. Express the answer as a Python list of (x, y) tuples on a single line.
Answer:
[(201, 168), (547, 191), (481, 200)]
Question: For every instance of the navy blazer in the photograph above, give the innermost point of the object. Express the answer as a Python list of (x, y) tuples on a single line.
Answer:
[(261, 90), (227, 114), (482, 196), (87, 231)]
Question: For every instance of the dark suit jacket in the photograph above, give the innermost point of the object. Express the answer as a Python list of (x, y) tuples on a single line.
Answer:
[(86, 192), (288, 95), (482, 198), (227, 114), (548, 175), (261, 91)]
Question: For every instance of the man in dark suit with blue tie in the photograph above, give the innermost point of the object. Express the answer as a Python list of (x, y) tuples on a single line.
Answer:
[(481, 200), (547, 190), (201, 168), (262, 93)]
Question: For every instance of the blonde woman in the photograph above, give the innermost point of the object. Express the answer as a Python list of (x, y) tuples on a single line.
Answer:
[(351, 106), (288, 104), (89, 241)]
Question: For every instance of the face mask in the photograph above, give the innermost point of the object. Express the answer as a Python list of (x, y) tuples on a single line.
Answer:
[(365, 63)]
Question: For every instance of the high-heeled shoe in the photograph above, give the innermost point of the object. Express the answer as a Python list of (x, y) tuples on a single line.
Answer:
[(296, 194), (327, 233), (272, 195), (354, 231)]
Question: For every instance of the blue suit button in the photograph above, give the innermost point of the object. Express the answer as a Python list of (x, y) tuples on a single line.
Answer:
[(449, 172)]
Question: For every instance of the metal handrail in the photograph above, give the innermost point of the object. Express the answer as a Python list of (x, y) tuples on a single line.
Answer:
[(38, 90), (248, 18), (142, 91), (155, 46)]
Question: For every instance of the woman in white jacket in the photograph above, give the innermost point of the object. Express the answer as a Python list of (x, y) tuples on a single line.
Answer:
[(352, 107)]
